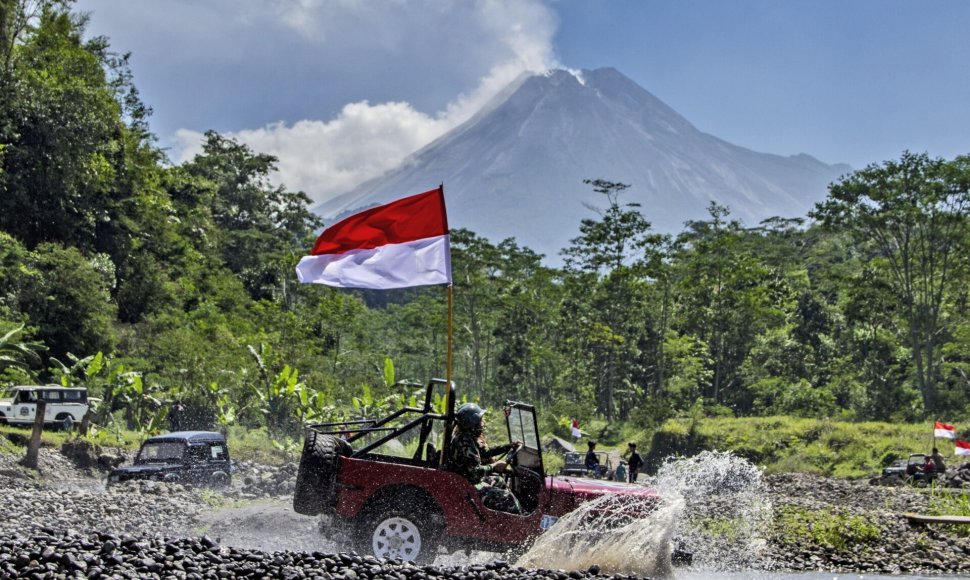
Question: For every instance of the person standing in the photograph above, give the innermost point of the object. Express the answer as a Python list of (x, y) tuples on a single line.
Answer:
[(592, 461), (938, 464), (635, 461)]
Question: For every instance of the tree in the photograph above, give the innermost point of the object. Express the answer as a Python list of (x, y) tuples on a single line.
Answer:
[(913, 214), (61, 125), (726, 296), (607, 303), (256, 225), (68, 300), (618, 238)]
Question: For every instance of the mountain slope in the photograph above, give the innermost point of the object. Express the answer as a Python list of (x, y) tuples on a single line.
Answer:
[(516, 168)]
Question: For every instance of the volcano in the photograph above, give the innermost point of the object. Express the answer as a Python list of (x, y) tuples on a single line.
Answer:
[(516, 169)]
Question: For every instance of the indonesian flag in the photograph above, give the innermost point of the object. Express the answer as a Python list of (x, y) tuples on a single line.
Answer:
[(944, 431), (576, 432), (402, 244), (962, 448)]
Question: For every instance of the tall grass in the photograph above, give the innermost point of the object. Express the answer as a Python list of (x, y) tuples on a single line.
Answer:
[(790, 444)]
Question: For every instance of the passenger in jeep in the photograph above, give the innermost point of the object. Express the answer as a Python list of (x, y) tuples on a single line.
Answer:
[(468, 450)]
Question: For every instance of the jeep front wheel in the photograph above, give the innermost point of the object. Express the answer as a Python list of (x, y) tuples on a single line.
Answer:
[(399, 534)]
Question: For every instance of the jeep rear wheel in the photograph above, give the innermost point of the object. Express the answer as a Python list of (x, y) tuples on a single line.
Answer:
[(398, 534), (317, 472), (219, 479)]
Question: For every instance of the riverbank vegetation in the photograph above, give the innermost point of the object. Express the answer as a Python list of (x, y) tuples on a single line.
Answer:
[(151, 283)]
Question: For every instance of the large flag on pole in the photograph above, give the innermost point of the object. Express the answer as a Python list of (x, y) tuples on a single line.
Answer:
[(944, 431), (398, 245), (962, 447)]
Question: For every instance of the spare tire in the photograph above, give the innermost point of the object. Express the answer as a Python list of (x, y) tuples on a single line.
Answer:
[(317, 472)]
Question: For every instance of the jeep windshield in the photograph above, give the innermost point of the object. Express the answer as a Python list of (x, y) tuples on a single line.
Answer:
[(160, 452)]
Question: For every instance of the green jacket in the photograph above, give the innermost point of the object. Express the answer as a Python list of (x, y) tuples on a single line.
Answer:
[(465, 456)]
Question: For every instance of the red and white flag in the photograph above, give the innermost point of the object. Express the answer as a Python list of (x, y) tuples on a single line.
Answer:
[(962, 448), (398, 245), (944, 431), (576, 432)]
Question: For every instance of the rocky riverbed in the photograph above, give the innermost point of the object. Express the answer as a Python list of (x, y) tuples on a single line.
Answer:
[(63, 522)]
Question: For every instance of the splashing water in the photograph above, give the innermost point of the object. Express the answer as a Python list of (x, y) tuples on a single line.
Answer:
[(603, 532), (711, 506), (726, 511)]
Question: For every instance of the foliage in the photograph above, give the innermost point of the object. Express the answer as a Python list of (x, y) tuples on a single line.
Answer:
[(913, 212), (182, 278), (14, 352), (794, 444), (943, 502), (839, 532)]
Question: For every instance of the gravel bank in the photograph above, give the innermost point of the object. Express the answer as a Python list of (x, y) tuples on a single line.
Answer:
[(899, 548), (66, 524)]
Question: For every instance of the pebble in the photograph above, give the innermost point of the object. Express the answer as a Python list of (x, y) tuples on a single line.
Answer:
[(68, 524)]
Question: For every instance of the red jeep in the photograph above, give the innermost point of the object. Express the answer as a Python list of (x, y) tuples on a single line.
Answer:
[(410, 506)]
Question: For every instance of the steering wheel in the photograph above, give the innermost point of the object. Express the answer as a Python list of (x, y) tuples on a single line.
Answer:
[(526, 473)]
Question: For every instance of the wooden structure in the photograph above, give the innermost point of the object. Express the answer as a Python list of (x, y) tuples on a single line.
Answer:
[(923, 519)]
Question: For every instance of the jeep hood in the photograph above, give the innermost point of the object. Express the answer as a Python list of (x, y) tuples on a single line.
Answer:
[(588, 489)]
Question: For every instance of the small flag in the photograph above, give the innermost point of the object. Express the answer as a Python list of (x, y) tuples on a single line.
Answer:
[(944, 431), (962, 448), (576, 432), (398, 245)]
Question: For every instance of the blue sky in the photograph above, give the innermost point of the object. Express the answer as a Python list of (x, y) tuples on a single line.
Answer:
[(342, 90)]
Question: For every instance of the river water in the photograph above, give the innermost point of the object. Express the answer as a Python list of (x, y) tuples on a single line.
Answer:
[(754, 575)]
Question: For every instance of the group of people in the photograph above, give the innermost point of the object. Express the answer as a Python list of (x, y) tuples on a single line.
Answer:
[(934, 463), (631, 464)]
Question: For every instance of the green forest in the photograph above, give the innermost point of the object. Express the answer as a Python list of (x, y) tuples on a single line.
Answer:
[(151, 282)]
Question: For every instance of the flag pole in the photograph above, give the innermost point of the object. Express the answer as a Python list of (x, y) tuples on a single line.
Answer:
[(448, 369), (449, 389), (441, 186)]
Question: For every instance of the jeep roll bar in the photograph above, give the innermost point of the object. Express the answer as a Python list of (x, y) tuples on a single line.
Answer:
[(359, 428)]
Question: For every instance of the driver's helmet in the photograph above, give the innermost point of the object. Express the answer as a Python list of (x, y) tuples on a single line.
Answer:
[(469, 417)]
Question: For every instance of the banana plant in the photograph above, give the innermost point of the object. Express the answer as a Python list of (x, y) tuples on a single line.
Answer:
[(278, 395), (80, 372), (225, 409), (315, 407), (16, 353)]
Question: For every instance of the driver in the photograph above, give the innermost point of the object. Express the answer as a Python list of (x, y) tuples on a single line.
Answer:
[(468, 449)]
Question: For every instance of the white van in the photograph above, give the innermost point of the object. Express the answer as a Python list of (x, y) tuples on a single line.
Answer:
[(65, 406)]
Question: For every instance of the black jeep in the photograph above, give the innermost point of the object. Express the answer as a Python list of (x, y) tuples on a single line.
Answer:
[(196, 457)]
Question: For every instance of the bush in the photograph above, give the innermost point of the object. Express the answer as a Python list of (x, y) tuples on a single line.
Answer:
[(825, 528)]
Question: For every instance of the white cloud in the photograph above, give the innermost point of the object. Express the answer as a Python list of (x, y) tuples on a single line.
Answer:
[(325, 158)]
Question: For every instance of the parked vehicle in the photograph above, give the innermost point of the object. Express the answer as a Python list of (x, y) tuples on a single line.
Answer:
[(907, 471), (196, 457), (410, 507), (63, 405), (575, 465)]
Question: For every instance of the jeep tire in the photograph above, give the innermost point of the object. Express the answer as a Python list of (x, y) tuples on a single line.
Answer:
[(399, 532), (317, 472)]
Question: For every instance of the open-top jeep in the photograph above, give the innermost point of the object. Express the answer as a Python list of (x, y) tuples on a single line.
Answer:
[(575, 465), (410, 506)]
